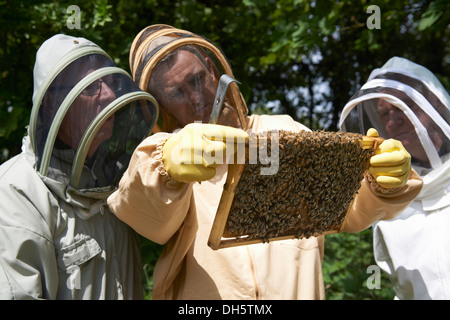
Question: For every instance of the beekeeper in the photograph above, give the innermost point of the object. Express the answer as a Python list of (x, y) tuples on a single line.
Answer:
[(405, 101), (58, 240), (161, 196)]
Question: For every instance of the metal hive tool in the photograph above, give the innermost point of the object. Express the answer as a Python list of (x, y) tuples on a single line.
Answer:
[(319, 173)]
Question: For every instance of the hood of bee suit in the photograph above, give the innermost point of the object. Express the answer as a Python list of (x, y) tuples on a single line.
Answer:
[(406, 101), (87, 117), (156, 50)]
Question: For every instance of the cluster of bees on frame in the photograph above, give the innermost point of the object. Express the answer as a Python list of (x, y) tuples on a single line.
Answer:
[(318, 176)]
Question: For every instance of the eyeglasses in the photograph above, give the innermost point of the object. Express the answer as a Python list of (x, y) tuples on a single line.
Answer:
[(114, 82)]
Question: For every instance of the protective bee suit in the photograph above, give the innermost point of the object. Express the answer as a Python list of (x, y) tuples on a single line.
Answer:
[(58, 240), (406, 101), (181, 70)]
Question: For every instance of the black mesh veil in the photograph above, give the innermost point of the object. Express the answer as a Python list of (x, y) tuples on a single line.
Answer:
[(89, 121), (410, 107), (182, 70)]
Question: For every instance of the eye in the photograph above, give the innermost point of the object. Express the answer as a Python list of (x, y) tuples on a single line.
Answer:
[(197, 79), (176, 94), (398, 111)]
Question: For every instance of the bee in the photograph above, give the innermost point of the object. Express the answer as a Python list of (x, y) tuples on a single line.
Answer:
[(319, 174)]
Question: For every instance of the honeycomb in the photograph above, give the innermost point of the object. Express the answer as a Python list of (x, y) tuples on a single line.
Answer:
[(319, 173)]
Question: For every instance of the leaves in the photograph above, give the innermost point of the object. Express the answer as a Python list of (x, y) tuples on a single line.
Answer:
[(102, 13), (150, 253), (437, 11), (345, 268)]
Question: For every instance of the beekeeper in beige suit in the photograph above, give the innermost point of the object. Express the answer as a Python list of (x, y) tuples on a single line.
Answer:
[(163, 199)]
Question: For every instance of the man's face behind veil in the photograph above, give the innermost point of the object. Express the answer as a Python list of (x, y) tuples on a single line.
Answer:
[(83, 110), (185, 87)]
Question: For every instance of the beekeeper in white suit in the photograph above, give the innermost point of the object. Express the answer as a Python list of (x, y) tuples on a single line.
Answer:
[(58, 240), (405, 101)]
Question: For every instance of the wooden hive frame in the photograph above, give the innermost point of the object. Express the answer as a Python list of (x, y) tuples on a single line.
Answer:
[(217, 240)]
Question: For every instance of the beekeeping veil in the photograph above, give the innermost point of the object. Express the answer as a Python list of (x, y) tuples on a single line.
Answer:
[(416, 94), (155, 46), (88, 115)]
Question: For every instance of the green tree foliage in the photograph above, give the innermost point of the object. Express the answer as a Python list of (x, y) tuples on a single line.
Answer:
[(305, 58), (346, 269)]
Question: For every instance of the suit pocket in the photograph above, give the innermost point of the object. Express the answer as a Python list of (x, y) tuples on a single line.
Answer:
[(77, 253)]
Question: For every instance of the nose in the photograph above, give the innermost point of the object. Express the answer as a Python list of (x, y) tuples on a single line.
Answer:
[(106, 94), (396, 118), (196, 99)]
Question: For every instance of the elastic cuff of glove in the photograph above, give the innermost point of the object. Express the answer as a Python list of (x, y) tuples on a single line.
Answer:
[(159, 153), (161, 168), (376, 187)]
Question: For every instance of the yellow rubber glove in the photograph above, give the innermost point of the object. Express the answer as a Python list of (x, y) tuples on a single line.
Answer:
[(193, 153), (391, 164)]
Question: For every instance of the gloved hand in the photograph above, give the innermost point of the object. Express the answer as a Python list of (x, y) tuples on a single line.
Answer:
[(391, 164), (193, 153)]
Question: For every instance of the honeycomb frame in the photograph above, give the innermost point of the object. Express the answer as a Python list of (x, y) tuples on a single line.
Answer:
[(292, 216)]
